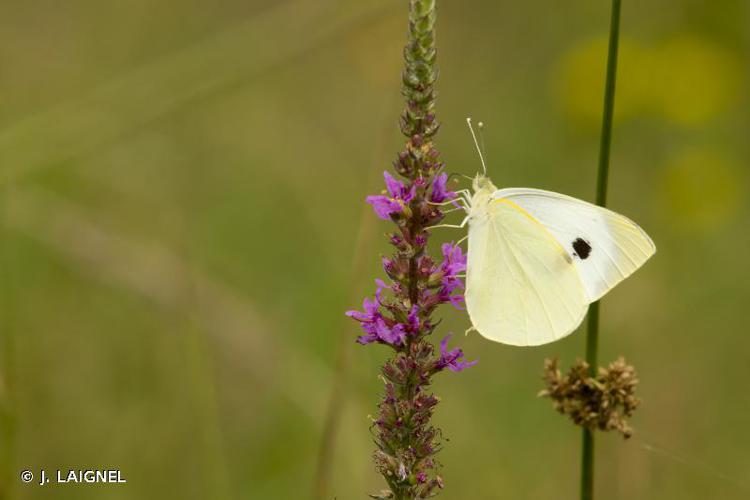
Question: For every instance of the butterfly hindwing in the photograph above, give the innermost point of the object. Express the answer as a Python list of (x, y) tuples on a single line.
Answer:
[(523, 287)]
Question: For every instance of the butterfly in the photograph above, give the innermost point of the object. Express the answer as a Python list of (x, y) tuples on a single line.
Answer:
[(536, 260)]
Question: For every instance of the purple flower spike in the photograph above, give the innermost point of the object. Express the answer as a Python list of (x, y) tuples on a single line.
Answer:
[(400, 316), (452, 359)]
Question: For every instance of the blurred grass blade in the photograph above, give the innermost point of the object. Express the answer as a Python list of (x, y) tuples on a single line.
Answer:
[(166, 85), (158, 274)]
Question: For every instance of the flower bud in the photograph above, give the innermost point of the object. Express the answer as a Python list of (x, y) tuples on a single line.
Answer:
[(435, 279)]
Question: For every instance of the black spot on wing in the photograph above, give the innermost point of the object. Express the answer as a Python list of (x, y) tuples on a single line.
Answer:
[(581, 248)]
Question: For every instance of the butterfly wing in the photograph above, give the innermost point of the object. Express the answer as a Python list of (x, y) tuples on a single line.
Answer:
[(606, 247), (522, 287)]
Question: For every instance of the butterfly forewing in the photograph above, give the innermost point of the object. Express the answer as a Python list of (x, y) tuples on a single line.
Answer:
[(605, 247)]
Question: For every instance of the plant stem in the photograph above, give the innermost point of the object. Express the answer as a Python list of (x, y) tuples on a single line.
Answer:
[(609, 105), (8, 408), (592, 335), (587, 466)]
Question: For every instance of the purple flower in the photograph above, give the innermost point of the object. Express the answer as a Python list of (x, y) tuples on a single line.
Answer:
[(383, 206), (371, 315), (388, 265), (456, 300), (368, 319), (440, 192), (371, 312), (398, 197), (452, 359), (379, 331), (381, 285), (413, 319), (454, 262), (373, 323), (394, 187), (369, 337)]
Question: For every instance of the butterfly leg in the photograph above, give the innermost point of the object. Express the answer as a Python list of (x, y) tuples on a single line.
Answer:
[(442, 204), (454, 210), (455, 226), (459, 203), (465, 196)]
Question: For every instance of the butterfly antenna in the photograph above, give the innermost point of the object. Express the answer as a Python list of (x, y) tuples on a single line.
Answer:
[(480, 125), (476, 144)]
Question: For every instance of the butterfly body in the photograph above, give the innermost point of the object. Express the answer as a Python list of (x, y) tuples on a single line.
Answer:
[(537, 259)]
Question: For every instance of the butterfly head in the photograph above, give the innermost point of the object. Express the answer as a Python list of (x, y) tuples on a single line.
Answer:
[(483, 191), (483, 184)]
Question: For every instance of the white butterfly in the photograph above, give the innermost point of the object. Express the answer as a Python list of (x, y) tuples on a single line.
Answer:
[(537, 259)]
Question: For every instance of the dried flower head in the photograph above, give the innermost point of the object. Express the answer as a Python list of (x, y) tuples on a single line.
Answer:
[(603, 402)]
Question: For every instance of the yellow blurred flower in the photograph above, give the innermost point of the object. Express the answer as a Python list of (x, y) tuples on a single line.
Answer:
[(694, 80), (685, 79), (579, 80), (701, 188)]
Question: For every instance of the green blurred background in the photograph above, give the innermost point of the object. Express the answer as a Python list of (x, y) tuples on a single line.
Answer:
[(183, 227)]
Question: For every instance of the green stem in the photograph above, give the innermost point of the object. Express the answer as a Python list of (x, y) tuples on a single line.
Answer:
[(609, 105), (587, 468), (8, 415), (592, 335)]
